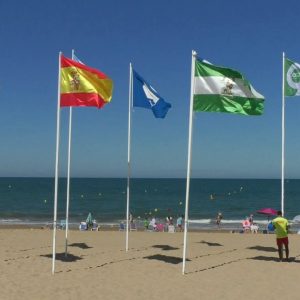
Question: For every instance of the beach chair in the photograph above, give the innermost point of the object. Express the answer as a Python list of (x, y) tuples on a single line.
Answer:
[(122, 227), (83, 226), (62, 224), (254, 228), (133, 227), (246, 226), (150, 228), (49, 225), (160, 228), (95, 227), (146, 225), (171, 229)]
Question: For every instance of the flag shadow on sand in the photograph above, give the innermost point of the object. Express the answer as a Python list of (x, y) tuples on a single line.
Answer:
[(80, 245), (275, 259), (210, 244), (62, 257), (262, 248), (165, 247), (167, 259)]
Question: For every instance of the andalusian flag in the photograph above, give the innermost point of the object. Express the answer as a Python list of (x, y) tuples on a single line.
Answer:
[(218, 89), (83, 86), (292, 78)]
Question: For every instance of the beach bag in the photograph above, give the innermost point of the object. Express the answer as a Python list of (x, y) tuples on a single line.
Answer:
[(271, 227)]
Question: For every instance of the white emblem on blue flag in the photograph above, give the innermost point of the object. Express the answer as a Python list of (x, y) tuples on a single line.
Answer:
[(149, 94)]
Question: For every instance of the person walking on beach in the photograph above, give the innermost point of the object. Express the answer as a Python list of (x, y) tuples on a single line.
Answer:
[(251, 219), (179, 223), (130, 218), (281, 228), (218, 219)]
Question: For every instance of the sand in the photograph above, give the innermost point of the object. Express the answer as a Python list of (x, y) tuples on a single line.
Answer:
[(220, 266)]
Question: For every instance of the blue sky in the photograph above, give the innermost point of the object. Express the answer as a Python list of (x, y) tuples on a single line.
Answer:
[(158, 38)]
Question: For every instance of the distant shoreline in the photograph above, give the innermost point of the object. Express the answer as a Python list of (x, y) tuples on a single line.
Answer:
[(147, 178), (105, 228), (108, 228)]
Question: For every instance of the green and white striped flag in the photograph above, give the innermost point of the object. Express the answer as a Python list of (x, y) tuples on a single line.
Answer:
[(218, 89), (292, 78)]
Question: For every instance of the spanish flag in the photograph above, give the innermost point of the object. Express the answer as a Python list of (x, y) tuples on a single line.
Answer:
[(81, 85)]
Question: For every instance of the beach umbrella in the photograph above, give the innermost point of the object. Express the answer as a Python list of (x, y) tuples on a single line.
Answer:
[(297, 219), (268, 212), (89, 219)]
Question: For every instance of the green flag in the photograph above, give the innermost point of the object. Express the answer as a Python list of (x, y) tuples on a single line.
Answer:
[(218, 89), (292, 78)]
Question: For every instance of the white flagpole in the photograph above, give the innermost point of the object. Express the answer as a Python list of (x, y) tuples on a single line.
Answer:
[(194, 54), (283, 135), (68, 175), (56, 163), (128, 160)]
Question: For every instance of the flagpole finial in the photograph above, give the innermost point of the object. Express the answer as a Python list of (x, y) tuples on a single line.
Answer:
[(194, 53)]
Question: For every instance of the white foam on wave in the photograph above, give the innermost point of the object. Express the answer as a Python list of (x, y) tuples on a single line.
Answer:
[(262, 222), (231, 221), (224, 221), (10, 220), (201, 221)]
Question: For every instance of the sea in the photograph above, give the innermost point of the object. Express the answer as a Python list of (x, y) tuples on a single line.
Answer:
[(30, 201)]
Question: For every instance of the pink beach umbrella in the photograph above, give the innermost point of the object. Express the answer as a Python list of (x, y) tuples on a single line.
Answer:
[(268, 211)]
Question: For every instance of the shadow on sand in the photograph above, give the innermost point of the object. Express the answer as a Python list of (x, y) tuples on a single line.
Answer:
[(167, 259), (211, 244), (80, 245), (262, 248), (165, 247), (63, 257), (276, 259)]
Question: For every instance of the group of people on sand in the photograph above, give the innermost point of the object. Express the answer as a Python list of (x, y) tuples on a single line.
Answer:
[(249, 225), (153, 224), (281, 227)]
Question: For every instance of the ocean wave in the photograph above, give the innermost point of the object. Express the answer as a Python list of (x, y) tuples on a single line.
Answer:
[(11, 221), (211, 221), (240, 221), (226, 221), (201, 221)]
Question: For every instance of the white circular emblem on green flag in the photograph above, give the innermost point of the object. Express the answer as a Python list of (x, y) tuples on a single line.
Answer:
[(293, 77)]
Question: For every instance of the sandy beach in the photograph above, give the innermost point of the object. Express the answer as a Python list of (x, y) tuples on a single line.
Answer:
[(219, 266)]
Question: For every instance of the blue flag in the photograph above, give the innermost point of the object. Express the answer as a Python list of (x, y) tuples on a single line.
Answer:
[(144, 95)]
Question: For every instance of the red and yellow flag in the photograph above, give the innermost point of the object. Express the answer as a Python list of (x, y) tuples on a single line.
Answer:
[(81, 85)]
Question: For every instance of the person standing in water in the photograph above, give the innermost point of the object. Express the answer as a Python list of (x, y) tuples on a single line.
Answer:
[(219, 219)]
